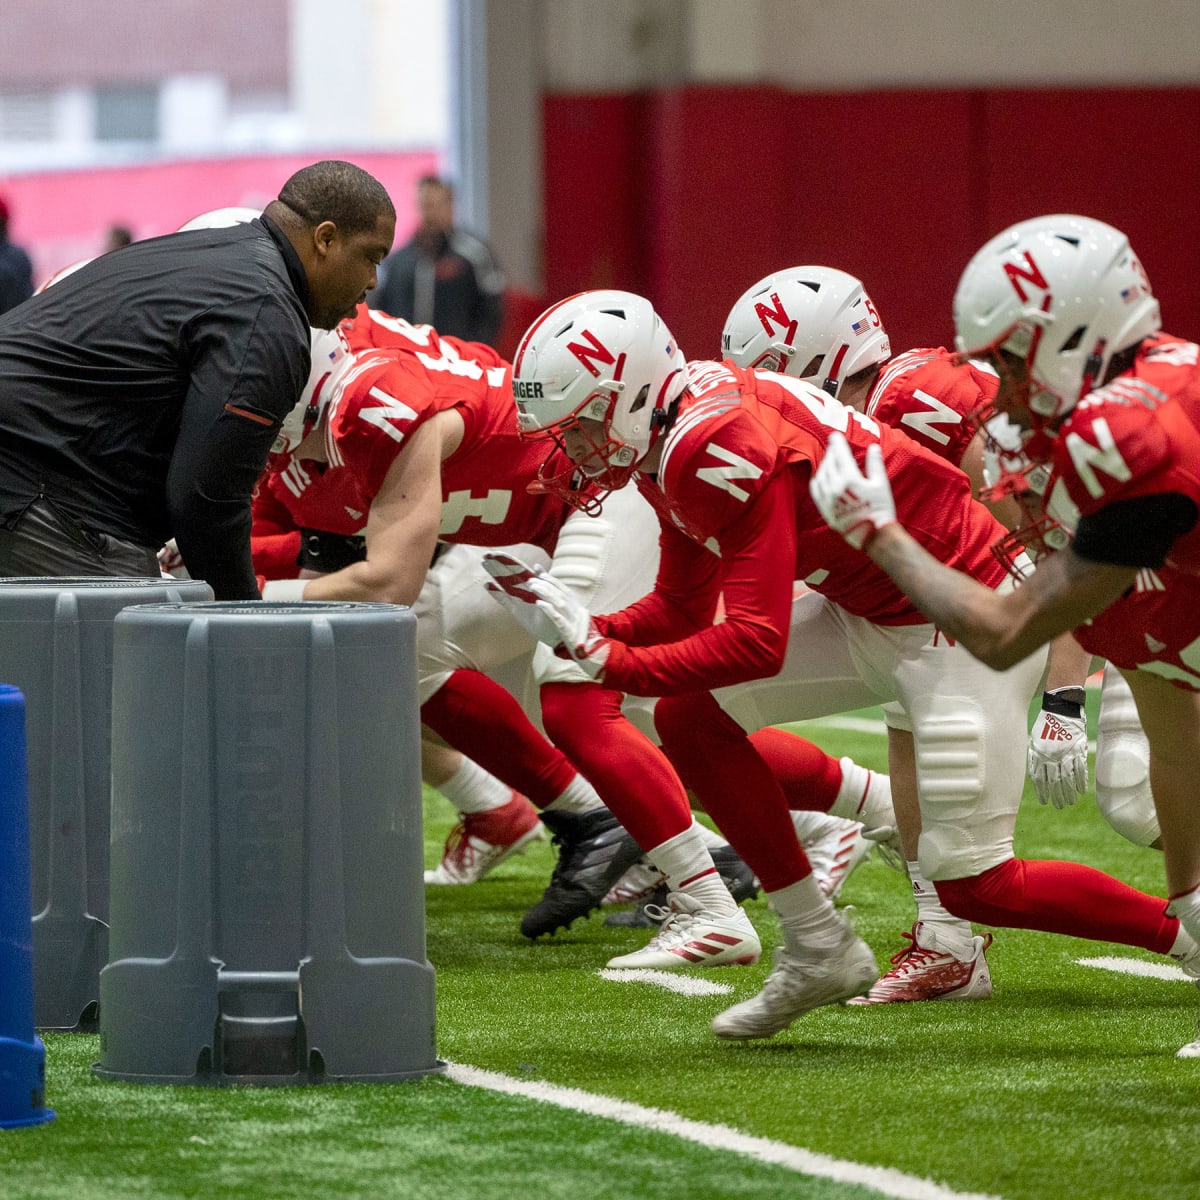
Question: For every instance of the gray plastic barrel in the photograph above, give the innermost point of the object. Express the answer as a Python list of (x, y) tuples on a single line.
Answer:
[(267, 896), (56, 646)]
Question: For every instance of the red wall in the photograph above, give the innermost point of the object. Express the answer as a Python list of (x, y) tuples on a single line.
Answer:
[(688, 196)]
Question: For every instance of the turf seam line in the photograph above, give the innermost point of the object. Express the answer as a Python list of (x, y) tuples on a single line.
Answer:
[(887, 1181)]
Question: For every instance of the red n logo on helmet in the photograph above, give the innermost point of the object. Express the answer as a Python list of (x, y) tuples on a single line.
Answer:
[(1030, 273), (593, 353), (777, 316)]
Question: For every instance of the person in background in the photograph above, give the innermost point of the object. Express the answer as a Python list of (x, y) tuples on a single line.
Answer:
[(16, 271), (118, 236), (444, 276)]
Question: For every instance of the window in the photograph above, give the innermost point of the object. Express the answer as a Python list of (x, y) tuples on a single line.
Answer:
[(127, 114)]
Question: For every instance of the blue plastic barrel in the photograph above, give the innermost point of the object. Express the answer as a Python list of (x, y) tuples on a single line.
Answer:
[(22, 1054)]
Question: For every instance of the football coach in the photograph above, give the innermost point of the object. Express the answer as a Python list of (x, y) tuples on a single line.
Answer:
[(140, 395)]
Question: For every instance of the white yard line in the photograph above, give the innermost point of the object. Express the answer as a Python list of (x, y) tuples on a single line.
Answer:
[(1136, 966), (884, 1180), (685, 985)]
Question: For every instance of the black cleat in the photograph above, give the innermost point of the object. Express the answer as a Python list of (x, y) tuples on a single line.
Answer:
[(594, 851), (738, 877)]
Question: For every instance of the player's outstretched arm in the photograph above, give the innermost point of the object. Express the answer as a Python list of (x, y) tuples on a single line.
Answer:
[(999, 627)]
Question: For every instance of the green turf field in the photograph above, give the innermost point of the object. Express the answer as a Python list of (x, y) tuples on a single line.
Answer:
[(1063, 1086)]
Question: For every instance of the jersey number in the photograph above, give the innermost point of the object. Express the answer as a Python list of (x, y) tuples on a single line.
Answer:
[(458, 507)]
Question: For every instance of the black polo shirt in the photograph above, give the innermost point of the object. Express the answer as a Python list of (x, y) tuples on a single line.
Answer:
[(141, 393)]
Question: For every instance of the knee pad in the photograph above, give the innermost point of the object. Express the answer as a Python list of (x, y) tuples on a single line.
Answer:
[(949, 760), (582, 553), (1123, 764), (1123, 793)]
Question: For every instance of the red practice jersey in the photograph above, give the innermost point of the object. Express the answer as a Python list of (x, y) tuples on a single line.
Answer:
[(738, 521), (378, 398), (1154, 627), (933, 399), (1138, 437)]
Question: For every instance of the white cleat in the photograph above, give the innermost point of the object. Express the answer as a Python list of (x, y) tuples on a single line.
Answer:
[(638, 883), (693, 937), (796, 986)]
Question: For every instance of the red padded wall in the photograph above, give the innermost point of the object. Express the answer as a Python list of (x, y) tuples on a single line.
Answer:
[(689, 195), (1127, 157), (596, 162)]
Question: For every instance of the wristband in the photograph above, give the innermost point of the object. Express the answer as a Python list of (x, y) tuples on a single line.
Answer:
[(284, 591), (1064, 702)]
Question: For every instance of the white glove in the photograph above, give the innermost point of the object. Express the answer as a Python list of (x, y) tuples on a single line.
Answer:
[(1058, 750), (170, 562), (547, 609), (857, 506), (509, 587), (576, 631)]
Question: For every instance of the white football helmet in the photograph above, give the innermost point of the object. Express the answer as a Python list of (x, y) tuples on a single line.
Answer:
[(606, 356), (813, 323), (330, 356), (220, 218), (1062, 293)]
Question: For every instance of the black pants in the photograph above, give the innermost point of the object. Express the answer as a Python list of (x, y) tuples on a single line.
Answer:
[(45, 542)]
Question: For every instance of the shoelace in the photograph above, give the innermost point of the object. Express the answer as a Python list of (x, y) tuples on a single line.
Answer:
[(908, 958), (455, 840), (676, 926)]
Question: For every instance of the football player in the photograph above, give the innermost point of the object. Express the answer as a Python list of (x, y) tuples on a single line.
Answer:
[(820, 325), (725, 456), (1061, 308)]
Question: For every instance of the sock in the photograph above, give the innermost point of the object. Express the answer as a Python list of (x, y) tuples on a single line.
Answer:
[(711, 839), (810, 923), (1186, 906), (938, 929), (1185, 948), (1061, 897), (578, 797), (864, 796), (472, 790), (688, 866)]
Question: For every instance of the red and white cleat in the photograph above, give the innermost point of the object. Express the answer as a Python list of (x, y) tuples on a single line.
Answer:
[(482, 840)]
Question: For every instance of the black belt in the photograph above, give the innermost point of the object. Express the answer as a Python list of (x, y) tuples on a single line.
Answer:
[(321, 551)]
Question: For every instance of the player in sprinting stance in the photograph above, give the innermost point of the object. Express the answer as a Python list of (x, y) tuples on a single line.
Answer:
[(1061, 308)]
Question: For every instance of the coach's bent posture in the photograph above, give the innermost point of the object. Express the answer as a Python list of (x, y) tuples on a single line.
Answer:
[(140, 395)]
